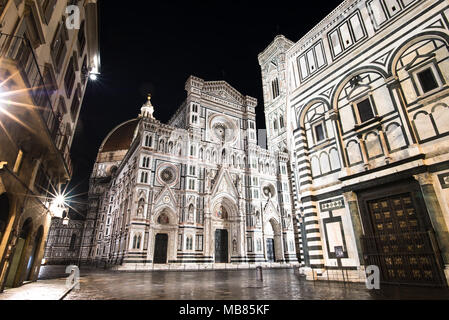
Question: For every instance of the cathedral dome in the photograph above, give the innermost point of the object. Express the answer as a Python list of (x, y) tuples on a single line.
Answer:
[(121, 137)]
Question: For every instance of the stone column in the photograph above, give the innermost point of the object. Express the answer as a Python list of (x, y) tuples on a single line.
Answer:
[(436, 214), (351, 199)]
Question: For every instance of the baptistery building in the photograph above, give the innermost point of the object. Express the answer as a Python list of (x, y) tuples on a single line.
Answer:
[(363, 97), (195, 193)]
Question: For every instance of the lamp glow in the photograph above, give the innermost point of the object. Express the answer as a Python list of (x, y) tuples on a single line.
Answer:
[(93, 77), (58, 206)]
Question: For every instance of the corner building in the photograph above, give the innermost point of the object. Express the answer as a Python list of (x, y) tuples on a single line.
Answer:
[(196, 193), (44, 72), (367, 107)]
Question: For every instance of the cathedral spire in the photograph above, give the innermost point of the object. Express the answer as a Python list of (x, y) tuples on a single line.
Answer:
[(147, 109)]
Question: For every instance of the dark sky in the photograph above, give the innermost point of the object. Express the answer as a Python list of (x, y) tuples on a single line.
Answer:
[(153, 46)]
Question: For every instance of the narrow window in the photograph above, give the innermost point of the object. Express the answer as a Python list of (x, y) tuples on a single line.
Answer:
[(365, 110), (319, 133), (179, 242), (427, 80)]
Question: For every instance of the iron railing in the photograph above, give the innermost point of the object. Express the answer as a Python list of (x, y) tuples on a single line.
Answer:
[(20, 51)]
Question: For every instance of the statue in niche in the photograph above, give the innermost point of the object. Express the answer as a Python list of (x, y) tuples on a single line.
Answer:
[(141, 207), (240, 184), (191, 213), (234, 246), (209, 179)]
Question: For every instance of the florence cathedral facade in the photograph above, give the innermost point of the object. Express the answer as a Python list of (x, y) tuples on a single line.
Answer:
[(196, 193)]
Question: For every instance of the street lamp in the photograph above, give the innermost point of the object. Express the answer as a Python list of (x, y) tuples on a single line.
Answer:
[(58, 209), (93, 76)]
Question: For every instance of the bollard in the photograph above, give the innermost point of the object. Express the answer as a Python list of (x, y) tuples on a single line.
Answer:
[(259, 273)]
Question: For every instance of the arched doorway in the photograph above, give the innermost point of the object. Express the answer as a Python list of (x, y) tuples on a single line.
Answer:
[(226, 240), (269, 234), (19, 254), (4, 214), (164, 234), (34, 253), (273, 241)]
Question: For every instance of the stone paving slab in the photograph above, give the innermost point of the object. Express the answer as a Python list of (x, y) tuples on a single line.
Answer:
[(41, 290)]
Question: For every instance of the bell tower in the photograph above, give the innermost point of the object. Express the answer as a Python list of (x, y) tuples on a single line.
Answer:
[(273, 63)]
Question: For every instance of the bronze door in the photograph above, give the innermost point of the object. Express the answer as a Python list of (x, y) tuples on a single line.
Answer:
[(221, 246), (160, 249), (270, 250), (400, 245)]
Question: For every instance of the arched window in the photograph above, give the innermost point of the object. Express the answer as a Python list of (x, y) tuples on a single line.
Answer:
[(135, 242), (144, 177), (201, 154), (275, 88), (148, 141), (139, 240), (146, 162), (189, 243)]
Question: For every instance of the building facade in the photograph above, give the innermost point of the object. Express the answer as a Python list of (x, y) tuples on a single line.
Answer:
[(45, 62), (196, 193), (64, 243), (367, 118)]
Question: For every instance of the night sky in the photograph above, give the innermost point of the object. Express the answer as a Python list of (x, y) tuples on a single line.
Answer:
[(154, 46)]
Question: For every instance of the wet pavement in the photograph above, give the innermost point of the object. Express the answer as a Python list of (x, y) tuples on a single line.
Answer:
[(233, 285), (54, 289)]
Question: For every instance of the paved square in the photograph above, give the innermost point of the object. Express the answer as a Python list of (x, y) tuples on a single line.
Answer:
[(232, 285)]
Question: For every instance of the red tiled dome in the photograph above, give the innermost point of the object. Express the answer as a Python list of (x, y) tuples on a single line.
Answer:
[(121, 137)]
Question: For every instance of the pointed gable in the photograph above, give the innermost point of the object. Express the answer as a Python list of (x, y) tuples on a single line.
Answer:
[(224, 184)]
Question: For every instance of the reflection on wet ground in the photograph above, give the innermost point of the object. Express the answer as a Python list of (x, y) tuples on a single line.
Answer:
[(229, 285)]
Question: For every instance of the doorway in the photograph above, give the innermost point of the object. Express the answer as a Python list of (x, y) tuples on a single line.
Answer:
[(271, 256), (399, 236), (34, 253), (221, 246), (15, 268), (160, 249)]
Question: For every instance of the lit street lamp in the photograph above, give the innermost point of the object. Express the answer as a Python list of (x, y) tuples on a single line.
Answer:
[(59, 209), (93, 76)]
